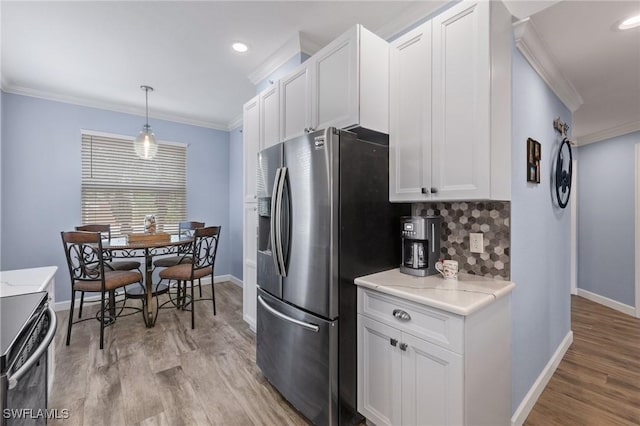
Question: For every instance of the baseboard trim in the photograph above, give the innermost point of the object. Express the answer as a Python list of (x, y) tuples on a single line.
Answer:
[(237, 281), (250, 321), (65, 305), (525, 407), (610, 303)]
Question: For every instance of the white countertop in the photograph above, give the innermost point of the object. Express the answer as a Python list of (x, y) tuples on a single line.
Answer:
[(463, 297), (22, 281)]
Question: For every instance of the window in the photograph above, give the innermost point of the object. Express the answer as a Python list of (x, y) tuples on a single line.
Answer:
[(119, 188)]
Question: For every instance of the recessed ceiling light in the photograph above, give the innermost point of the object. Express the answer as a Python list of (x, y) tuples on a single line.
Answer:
[(629, 23), (239, 47)]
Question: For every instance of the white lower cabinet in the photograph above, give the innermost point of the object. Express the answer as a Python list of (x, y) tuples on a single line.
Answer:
[(394, 368), (431, 367), (249, 264)]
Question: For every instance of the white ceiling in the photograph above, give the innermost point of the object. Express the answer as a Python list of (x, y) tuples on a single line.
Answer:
[(601, 62), (99, 53)]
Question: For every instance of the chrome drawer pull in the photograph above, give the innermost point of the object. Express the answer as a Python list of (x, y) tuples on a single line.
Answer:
[(401, 315)]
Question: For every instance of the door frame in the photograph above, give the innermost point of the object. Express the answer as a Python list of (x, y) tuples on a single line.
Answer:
[(573, 262), (637, 226)]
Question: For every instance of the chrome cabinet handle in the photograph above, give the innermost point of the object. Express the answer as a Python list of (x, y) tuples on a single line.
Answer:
[(403, 346), (393, 341), (434, 190), (424, 190), (401, 315)]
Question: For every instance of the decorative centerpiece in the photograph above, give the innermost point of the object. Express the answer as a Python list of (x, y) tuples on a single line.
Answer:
[(150, 224), (150, 235)]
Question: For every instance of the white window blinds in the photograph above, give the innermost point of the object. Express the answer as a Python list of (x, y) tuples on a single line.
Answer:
[(119, 188)]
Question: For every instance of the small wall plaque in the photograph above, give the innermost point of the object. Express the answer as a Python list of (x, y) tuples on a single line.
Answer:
[(534, 155)]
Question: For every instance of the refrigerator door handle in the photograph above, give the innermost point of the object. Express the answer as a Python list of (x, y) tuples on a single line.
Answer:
[(274, 197), (278, 219), (311, 327)]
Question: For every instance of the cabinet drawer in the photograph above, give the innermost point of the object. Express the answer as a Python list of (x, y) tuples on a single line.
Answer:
[(433, 325)]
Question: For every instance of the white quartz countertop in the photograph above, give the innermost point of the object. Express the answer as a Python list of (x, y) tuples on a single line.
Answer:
[(22, 281), (465, 296)]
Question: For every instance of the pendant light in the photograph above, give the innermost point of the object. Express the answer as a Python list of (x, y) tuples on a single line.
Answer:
[(145, 144)]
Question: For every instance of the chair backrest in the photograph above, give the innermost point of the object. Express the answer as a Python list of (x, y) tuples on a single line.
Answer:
[(104, 230), (84, 255), (205, 246), (187, 228)]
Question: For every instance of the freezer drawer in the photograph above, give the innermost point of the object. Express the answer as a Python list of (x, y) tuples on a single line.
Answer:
[(297, 353)]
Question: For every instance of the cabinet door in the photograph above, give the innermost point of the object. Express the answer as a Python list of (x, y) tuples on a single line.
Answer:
[(461, 102), (249, 266), (379, 372), (270, 116), (432, 384), (410, 116), (295, 103), (335, 90), (251, 146)]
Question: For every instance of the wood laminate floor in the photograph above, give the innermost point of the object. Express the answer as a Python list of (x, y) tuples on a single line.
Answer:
[(172, 375), (169, 374), (598, 380)]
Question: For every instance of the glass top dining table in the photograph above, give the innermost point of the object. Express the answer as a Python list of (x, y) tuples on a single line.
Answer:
[(121, 247)]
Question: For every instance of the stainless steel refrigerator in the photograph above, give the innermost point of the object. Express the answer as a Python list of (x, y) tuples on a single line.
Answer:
[(323, 219)]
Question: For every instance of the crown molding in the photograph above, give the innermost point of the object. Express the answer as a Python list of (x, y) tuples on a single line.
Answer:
[(612, 132), (418, 12), (235, 123), (537, 54), (299, 43), (92, 103)]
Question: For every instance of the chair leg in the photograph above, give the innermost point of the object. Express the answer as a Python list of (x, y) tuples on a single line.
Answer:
[(193, 306), (73, 299), (102, 308), (178, 295), (81, 303), (213, 296), (200, 287)]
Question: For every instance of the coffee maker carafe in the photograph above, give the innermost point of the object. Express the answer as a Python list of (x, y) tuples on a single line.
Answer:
[(420, 244)]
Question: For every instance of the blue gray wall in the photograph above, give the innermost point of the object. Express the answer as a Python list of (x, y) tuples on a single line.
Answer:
[(41, 177), (236, 211), (540, 234), (606, 218)]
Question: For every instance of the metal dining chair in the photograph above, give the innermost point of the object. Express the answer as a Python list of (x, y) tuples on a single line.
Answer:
[(202, 252), (185, 229), (89, 273), (120, 265)]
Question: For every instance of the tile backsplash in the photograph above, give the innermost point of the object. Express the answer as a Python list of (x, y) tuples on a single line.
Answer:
[(491, 218)]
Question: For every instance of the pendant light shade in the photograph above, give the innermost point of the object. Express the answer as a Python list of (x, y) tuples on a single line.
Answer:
[(145, 144)]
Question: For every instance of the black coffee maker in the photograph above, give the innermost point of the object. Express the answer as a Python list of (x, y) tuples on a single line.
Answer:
[(420, 244)]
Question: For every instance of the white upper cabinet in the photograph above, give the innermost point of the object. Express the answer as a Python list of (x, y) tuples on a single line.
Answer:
[(410, 115), (450, 129), (269, 116), (295, 103), (251, 146), (344, 85), (261, 129)]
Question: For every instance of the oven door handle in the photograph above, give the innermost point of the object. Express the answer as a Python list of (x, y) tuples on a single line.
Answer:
[(53, 322)]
